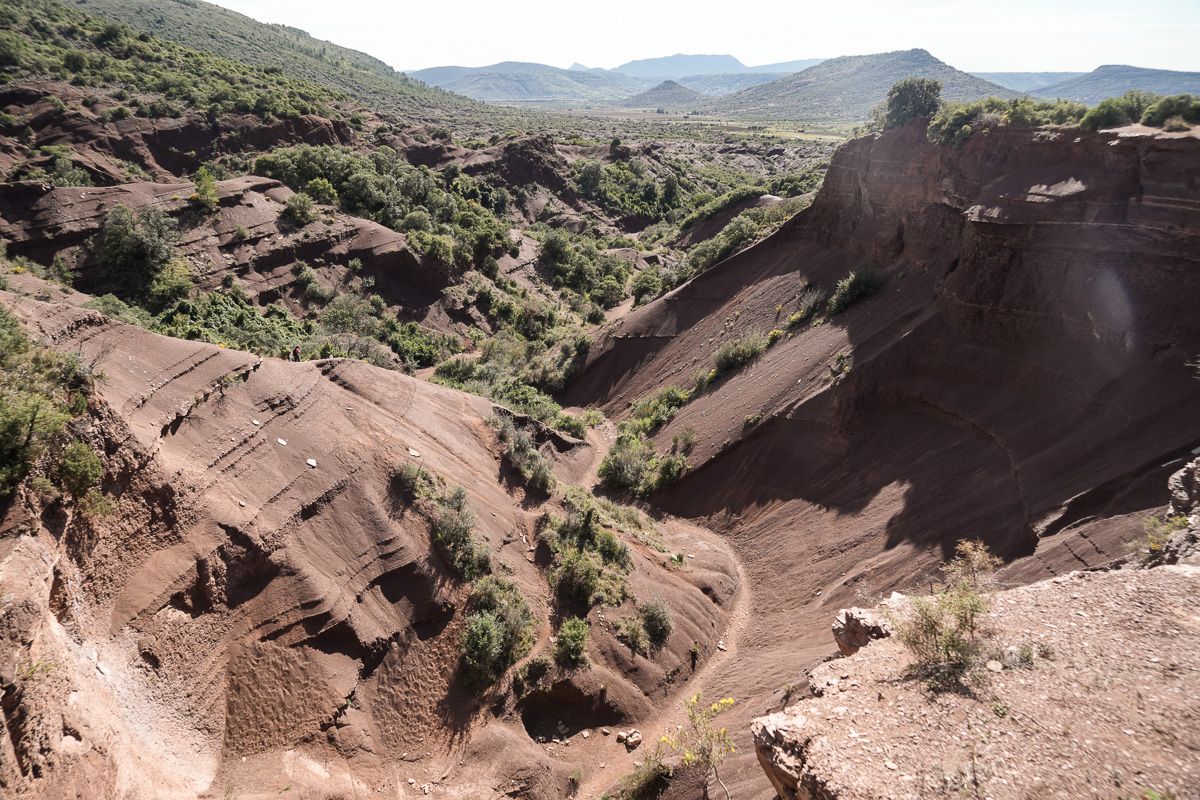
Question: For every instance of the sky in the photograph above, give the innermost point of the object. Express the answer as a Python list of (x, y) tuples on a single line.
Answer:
[(973, 35)]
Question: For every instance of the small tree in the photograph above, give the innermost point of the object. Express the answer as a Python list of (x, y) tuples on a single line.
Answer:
[(205, 197), (701, 742), (911, 98), (656, 619), (299, 210)]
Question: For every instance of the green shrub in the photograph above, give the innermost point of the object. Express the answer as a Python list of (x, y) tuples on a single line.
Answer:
[(79, 469), (571, 647), (807, 305), (625, 466), (500, 628), (739, 352), (861, 283), (648, 780), (205, 197), (453, 525), (12, 50), (1184, 106), (299, 210), (656, 620), (632, 633), (322, 191), (522, 453), (131, 250), (577, 577), (1117, 111), (654, 412), (646, 285)]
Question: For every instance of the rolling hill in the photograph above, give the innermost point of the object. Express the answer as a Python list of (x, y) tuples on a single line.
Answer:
[(1026, 81), (1112, 80), (522, 83), (213, 29), (677, 66), (728, 82), (844, 89), (668, 95)]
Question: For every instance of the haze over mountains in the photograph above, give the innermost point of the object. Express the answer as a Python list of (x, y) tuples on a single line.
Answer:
[(836, 91)]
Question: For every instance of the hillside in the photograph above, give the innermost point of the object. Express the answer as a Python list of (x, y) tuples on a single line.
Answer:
[(210, 28), (859, 450), (1026, 81), (519, 83), (729, 82), (844, 89), (668, 95), (1113, 80), (677, 66)]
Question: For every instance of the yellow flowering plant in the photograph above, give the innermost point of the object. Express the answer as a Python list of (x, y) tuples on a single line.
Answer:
[(701, 742)]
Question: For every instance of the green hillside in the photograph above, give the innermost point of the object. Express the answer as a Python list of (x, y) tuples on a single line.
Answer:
[(212, 29)]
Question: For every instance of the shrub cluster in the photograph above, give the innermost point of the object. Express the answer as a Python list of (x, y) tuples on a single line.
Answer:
[(571, 648), (590, 560), (522, 453), (499, 629), (861, 283)]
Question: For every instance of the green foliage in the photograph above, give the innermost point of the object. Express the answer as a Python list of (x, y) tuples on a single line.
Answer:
[(52, 164), (79, 469), (453, 525), (647, 285), (647, 781), (627, 189), (205, 197), (807, 305), (383, 187), (590, 561), (955, 123), (944, 632), (1184, 106), (522, 453), (132, 251), (40, 392), (571, 648), (700, 742), (657, 410), (859, 284), (500, 628), (625, 467), (322, 191), (299, 210), (739, 352), (632, 633), (578, 264), (716, 205), (1158, 531), (656, 619), (48, 39), (909, 99)]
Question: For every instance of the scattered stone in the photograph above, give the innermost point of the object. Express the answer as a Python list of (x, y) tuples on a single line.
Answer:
[(621, 736), (413, 453), (605, 731), (585, 734), (995, 666), (633, 740), (854, 628), (890, 765), (721, 645), (282, 441), (312, 462)]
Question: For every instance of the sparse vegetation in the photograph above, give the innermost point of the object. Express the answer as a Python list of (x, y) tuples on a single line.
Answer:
[(739, 352), (522, 453), (700, 742), (861, 283), (944, 633), (1158, 531), (656, 619), (647, 781)]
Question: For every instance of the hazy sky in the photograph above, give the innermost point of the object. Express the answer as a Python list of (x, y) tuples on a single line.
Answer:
[(976, 35)]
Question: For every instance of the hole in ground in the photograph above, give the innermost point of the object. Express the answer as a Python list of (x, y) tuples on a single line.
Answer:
[(542, 711)]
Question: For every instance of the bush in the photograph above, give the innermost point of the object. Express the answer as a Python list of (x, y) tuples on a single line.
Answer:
[(1184, 106), (647, 781), (852, 288), (944, 632), (205, 197), (322, 191), (632, 633), (910, 99), (131, 250), (807, 305), (299, 210), (656, 619), (739, 352), (453, 526), (1117, 111), (625, 466), (571, 647), (12, 50), (522, 453), (577, 578), (499, 630), (80, 469), (646, 285)]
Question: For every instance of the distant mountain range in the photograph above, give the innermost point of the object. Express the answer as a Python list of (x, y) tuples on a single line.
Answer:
[(1026, 81), (668, 95), (1116, 79), (844, 89)]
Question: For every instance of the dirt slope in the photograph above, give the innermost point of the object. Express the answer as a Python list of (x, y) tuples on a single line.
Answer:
[(260, 611), (1021, 377)]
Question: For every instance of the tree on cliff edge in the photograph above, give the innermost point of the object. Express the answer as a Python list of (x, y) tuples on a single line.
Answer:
[(906, 100)]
